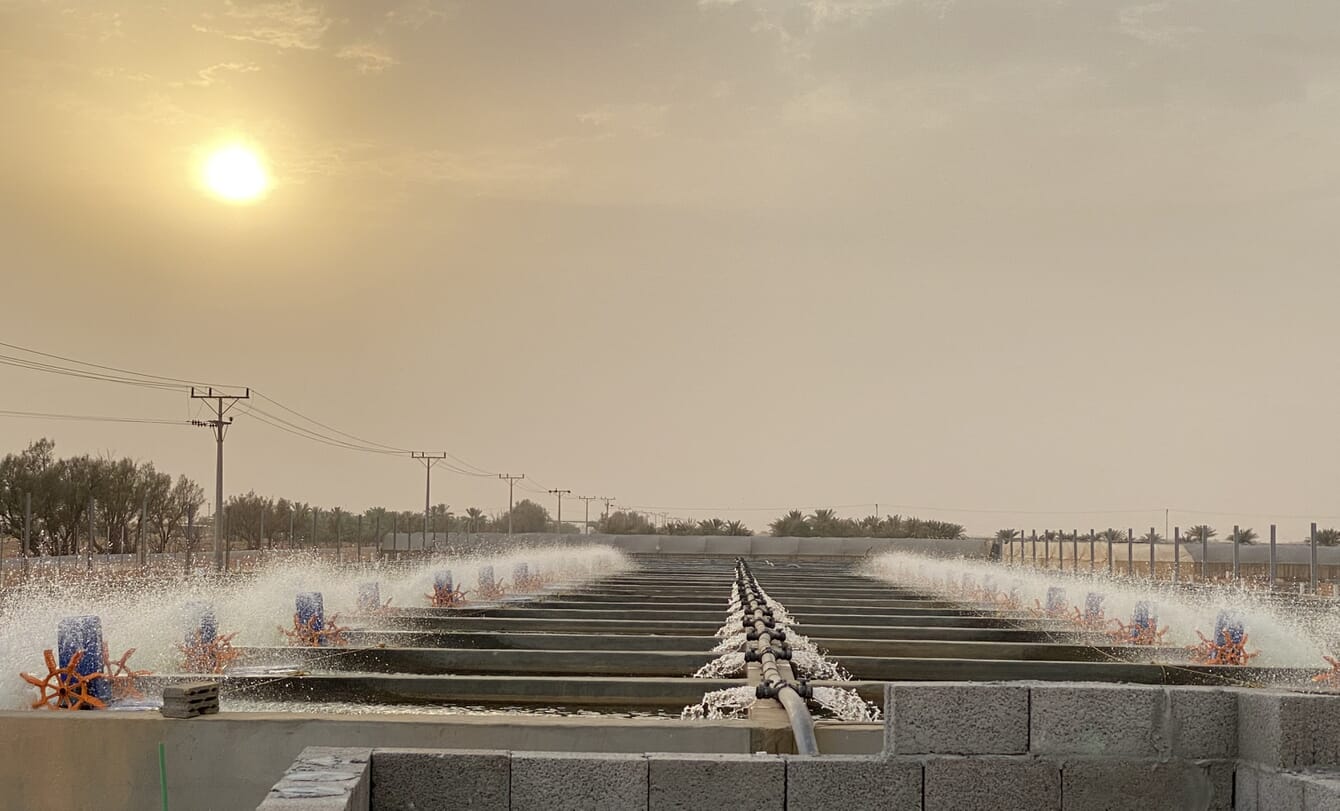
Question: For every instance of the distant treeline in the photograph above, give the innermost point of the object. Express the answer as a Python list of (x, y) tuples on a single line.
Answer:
[(826, 524)]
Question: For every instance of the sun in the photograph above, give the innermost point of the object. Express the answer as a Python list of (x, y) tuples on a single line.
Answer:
[(236, 174)]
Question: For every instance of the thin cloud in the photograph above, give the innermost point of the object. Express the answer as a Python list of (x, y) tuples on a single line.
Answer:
[(367, 58), (283, 24)]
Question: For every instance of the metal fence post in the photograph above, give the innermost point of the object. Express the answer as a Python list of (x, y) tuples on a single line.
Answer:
[(1177, 554), (1151, 553), (1272, 557), (1130, 552), (1312, 562), (1237, 541)]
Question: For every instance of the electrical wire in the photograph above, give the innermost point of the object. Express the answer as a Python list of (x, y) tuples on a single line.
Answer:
[(88, 418)]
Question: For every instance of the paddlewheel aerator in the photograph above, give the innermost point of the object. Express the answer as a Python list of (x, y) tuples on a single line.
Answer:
[(64, 688)]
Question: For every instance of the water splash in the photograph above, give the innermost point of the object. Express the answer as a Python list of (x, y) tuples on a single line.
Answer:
[(718, 705), (846, 705), (152, 615), (1288, 635)]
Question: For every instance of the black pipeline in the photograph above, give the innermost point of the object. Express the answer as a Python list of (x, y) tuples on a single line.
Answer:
[(769, 648)]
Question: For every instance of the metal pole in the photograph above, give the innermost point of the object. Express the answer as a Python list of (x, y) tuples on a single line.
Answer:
[(1093, 550), (89, 551), (1205, 555), (1035, 548), (427, 498), (1046, 550), (1272, 557), (358, 541), (1010, 541), (511, 487), (290, 526), (140, 551), (1177, 554), (1130, 552), (1151, 553), (1074, 550), (339, 550), (1237, 538), (313, 538), (377, 533), (1110, 533), (260, 544), (27, 527), (1312, 561), (227, 540)]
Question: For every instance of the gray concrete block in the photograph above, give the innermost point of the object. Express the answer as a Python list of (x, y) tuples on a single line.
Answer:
[(1222, 785), (575, 781), (1108, 720), (1244, 788), (1321, 792), (735, 782), (440, 779), (842, 783), (1278, 791), (1107, 784), (1204, 722), (955, 718), (991, 782), (323, 779), (1289, 730)]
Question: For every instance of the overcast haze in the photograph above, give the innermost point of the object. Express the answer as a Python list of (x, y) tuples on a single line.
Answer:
[(1034, 256)]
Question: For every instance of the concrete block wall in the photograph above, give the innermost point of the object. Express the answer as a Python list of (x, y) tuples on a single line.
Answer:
[(958, 746)]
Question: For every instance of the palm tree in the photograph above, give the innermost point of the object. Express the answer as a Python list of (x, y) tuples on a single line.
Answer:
[(1200, 532), (713, 526), (473, 516), (1151, 537), (737, 528), (823, 521), (1327, 537), (1243, 535), (1007, 534), (791, 525), (1113, 535)]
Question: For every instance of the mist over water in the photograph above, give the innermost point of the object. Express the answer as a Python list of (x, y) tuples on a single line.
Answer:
[(1286, 634), (154, 617)]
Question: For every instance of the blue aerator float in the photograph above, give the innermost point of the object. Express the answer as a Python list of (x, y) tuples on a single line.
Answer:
[(444, 593), (80, 675), (311, 627)]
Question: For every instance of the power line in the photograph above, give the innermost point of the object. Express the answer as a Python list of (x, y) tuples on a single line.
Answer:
[(89, 418)]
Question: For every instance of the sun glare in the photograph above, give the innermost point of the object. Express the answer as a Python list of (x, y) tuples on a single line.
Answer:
[(236, 174)]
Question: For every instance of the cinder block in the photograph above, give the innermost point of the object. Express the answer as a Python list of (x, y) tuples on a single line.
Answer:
[(1108, 720), (991, 782), (1244, 788), (955, 718), (841, 783), (1204, 722), (1289, 730), (735, 782), (1220, 773), (323, 779), (438, 780), (559, 781), (1278, 791), (1108, 784), (1321, 792)]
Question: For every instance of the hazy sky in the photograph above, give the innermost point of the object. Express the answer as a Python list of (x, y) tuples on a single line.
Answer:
[(999, 255)]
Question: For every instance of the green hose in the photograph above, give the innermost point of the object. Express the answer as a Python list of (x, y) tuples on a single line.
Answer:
[(162, 774)]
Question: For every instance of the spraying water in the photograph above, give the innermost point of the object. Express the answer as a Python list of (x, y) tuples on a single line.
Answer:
[(1286, 635), (155, 617)]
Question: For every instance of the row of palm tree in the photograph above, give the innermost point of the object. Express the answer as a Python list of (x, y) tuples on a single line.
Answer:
[(827, 524), (1200, 532)]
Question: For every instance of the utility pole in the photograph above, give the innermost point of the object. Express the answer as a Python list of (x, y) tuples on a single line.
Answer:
[(429, 461), (586, 529), (558, 522), (608, 500), (511, 484), (219, 425)]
